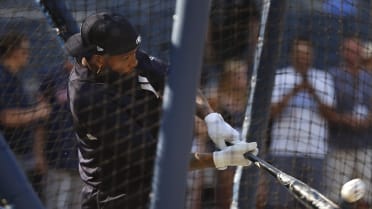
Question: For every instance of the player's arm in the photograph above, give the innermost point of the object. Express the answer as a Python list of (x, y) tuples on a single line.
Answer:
[(201, 160), (229, 156), (218, 130), (202, 105)]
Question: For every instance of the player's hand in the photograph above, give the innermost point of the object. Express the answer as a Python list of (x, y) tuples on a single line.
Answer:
[(234, 155), (219, 131)]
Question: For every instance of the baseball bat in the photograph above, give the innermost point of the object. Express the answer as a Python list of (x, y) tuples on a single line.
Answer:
[(308, 196), (59, 17)]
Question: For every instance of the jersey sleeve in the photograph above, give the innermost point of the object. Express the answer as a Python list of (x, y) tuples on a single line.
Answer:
[(152, 68)]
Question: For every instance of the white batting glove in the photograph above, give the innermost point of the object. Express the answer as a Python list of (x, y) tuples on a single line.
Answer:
[(234, 155), (219, 131)]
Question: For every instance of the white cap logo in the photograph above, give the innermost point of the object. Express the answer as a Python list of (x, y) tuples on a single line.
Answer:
[(138, 40), (91, 137), (99, 49)]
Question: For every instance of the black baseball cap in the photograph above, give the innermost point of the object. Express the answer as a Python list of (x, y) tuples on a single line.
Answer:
[(103, 33)]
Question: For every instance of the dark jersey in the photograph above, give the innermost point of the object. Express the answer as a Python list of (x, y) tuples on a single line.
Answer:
[(117, 119)]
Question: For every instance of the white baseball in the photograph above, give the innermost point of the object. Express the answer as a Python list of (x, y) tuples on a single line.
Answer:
[(353, 190)]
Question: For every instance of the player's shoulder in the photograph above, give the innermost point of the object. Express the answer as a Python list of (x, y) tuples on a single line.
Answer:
[(78, 73), (80, 85), (151, 64)]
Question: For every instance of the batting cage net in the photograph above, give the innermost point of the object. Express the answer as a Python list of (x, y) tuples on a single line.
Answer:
[(315, 123)]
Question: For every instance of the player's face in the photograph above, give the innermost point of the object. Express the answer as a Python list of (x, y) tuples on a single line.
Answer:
[(123, 63)]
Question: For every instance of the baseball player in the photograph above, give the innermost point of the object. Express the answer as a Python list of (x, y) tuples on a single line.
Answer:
[(115, 98)]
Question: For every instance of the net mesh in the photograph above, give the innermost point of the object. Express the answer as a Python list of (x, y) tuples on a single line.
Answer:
[(320, 131)]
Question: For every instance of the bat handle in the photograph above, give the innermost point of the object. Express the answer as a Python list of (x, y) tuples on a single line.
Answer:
[(260, 163), (251, 157)]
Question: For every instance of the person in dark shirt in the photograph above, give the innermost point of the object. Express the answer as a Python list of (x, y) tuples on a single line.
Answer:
[(19, 118), (115, 98)]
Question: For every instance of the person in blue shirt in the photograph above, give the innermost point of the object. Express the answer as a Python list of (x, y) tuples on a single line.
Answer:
[(19, 118), (115, 98), (350, 144)]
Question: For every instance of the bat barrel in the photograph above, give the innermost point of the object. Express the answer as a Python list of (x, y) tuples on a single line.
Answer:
[(308, 196)]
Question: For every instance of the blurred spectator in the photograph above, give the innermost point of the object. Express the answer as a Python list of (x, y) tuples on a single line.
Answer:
[(367, 56), (19, 119), (231, 102), (230, 99), (232, 33), (231, 40), (232, 92), (350, 154), (298, 138), (63, 181)]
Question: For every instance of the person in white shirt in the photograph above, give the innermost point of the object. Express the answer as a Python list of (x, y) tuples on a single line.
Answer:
[(298, 134)]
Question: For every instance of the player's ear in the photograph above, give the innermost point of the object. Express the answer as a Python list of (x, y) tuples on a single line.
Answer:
[(98, 60)]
